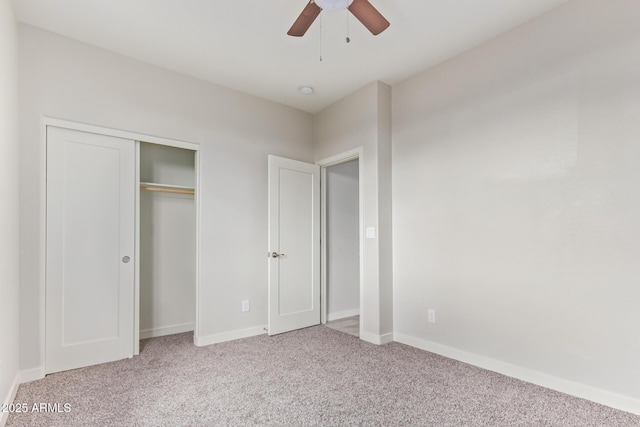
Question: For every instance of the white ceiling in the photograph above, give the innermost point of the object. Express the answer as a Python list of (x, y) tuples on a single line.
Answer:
[(242, 44)]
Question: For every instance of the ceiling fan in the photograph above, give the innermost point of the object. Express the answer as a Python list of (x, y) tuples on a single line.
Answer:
[(361, 9)]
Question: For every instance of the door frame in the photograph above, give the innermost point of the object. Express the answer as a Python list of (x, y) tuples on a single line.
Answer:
[(67, 124), (346, 156)]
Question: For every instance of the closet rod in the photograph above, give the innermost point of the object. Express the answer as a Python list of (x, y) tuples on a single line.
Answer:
[(163, 189)]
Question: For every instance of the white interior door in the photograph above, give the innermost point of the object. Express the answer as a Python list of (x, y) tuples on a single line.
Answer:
[(294, 245), (90, 243)]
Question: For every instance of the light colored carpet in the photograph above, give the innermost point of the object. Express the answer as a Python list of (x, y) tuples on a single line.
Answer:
[(312, 377), (348, 325)]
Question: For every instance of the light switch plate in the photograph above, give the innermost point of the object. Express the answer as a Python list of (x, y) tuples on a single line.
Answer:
[(371, 232)]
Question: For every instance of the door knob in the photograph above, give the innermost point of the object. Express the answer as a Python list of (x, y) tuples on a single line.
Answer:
[(276, 255), (126, 259)]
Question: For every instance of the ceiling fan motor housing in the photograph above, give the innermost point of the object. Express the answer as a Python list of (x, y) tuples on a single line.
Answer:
[(333, 4)]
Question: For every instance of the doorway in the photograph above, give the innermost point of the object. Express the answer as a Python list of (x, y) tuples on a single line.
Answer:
[(167, 240), (342, 235), (296, 199), (343, 255)]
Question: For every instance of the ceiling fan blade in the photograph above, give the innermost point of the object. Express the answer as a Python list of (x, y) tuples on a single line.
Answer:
[(304, 21), (369, 16)]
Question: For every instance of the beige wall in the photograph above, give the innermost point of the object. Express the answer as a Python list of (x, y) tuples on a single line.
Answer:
[(363, 119), (66, 79), (516, 202), (9, 223)]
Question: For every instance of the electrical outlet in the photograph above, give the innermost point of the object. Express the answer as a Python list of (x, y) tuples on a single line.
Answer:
[(431, 315), (245, 306)]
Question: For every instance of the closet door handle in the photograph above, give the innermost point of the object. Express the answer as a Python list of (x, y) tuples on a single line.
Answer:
[(276, 255), (126, 259)]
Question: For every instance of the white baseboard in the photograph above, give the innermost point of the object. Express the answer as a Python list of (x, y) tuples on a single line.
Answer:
[(342, 314), (386, 338), (376, 339), (4, 416), (166, 330), (29, 375), (231, 335), (614, 400)]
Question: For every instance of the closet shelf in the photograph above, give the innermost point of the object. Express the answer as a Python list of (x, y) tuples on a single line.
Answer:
[(165, 188)]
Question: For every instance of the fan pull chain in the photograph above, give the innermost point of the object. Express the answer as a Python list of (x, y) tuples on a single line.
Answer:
[(321, 38), (348, 38)]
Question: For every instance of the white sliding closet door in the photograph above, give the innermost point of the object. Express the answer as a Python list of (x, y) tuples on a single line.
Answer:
[(90, 246)]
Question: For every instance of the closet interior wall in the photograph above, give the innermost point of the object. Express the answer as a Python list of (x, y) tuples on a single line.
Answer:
[(167, 240)]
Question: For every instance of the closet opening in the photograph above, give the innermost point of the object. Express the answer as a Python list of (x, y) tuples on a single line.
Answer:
[(167, 244), (342, 246)]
